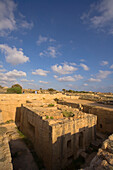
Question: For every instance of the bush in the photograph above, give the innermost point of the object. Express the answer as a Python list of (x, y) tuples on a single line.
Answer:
[(51, 117), (17, 85), (51, 105), (16, 90), (51, 90), (47, 117), (67, 114)]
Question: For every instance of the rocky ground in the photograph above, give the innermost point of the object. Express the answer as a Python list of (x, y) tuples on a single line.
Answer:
[(104, 158)]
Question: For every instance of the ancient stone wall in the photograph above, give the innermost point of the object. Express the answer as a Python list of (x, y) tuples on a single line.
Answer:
[(70, 138), (56, 143), (5, 155), (9, 102), (104, 115)]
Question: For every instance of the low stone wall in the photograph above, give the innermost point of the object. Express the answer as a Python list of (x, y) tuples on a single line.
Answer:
[(5, 155), (104, 115), (104, 158), (56, 143), (9, 102)]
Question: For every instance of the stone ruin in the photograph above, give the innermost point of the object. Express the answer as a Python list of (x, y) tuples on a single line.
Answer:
[(59, 138)]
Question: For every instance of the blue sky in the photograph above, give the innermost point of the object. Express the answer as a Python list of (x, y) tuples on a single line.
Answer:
[(57, 44)]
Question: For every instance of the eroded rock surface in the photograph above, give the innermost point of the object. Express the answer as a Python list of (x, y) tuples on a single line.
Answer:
[(104, 158)]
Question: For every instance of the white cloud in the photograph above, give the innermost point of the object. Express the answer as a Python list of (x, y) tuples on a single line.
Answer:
[(43, 82), (78, 77), (40, 72), (82, 60), (103, 63), (1, 66), (41, 39), (7, 19), (85, 84), (13, 55), (111, 66), (103, 74), (2, 70), (73, 64), (100, 15), (25, 24), (25, 80), (50, 52), (65, 69), (15, 73), (94, 80), (10, 77), (65, 79), (52, 40), (84, 66)]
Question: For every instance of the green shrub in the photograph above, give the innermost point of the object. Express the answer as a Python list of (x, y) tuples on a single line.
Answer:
[(51, 117), (67, 114), (47, 117), (17, 85), (16, 90), (51, 105), (51, 90)]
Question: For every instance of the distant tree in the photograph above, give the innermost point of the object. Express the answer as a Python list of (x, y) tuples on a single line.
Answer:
[(70, 91), (17, 85), (16, 90), (51, 89), (64, 90)]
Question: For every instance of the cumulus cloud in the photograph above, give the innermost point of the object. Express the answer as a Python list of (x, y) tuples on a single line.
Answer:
[(2, 70), (25, 80), (27, 25), (111, 66), (82, 60), (65, 69), (103, 63), (84, 66), (78, 77), (65, 79), (43, 82), (10, 77), (100, 15), (40, 72), (13, 55), (73, 64), (52, 40), (1, 66), (85, 84), (94, 80), (8, 21), (50, 52), (103, 74), (41, 39), (15, 73)]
